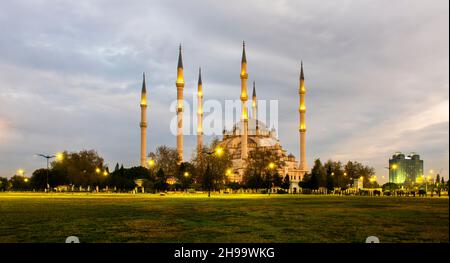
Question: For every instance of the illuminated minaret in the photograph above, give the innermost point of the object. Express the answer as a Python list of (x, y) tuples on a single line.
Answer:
[(303, 166), (244, 98), (143, 123), (199, 113), (254, 102), (180, 87), (255, 109)]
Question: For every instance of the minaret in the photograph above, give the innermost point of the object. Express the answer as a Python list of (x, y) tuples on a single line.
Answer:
[(303, 166), (180, 86), (255, 109), (199, 113), (143, 123), (254, 102), (244, 98)]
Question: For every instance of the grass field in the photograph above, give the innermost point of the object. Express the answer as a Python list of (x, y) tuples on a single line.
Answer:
[(30, 217)]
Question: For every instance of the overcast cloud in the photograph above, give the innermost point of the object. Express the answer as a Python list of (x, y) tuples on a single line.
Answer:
[(376, 74)]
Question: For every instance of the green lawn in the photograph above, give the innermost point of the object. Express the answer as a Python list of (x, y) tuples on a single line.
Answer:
[(29, 217)]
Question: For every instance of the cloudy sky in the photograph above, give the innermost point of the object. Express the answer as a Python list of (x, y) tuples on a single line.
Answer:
[(376, 74)]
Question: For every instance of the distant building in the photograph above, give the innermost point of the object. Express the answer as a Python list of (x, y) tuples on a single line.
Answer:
[(405, 169)]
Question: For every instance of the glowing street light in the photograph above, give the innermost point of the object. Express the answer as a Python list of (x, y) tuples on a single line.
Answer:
[(229, 172), (271, 165), (151, 163), (105, 173), (26, 180), (186, 174), (20, 172), (97, 170), (59, 156), (219, 151)]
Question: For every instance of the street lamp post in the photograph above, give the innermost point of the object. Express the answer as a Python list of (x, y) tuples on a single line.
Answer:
[(219, 152), (48, 157)]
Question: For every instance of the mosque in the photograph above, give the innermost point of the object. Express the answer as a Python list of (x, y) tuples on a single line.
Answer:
[(245, 136)]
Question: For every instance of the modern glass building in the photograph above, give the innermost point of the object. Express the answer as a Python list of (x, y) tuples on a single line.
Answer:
[(405, 169)]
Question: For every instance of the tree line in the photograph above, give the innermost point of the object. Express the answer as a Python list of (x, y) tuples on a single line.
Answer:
[(209, 171), (334, 174)]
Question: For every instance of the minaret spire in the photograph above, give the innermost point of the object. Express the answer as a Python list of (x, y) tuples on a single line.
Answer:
[(244, 98), (303, 166), (302, 76), (144, 88), (180, 88), (244, 57), (143, 123), (180, 58), (200, 113)]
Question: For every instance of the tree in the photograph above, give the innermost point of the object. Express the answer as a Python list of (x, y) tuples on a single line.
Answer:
[(277, 180), (79, 168), (268, 182), (318, 175), (351, 170), (123, 179), (3, 184), (166, 159), (258, 172), (314, 182), (208, 180), (356, 170), (330, 179), (161, 180), (219, 161), (341, 180), (185, 175), (20, 183), (137, 172), (286, 182), (234, 185), (39, 178)]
